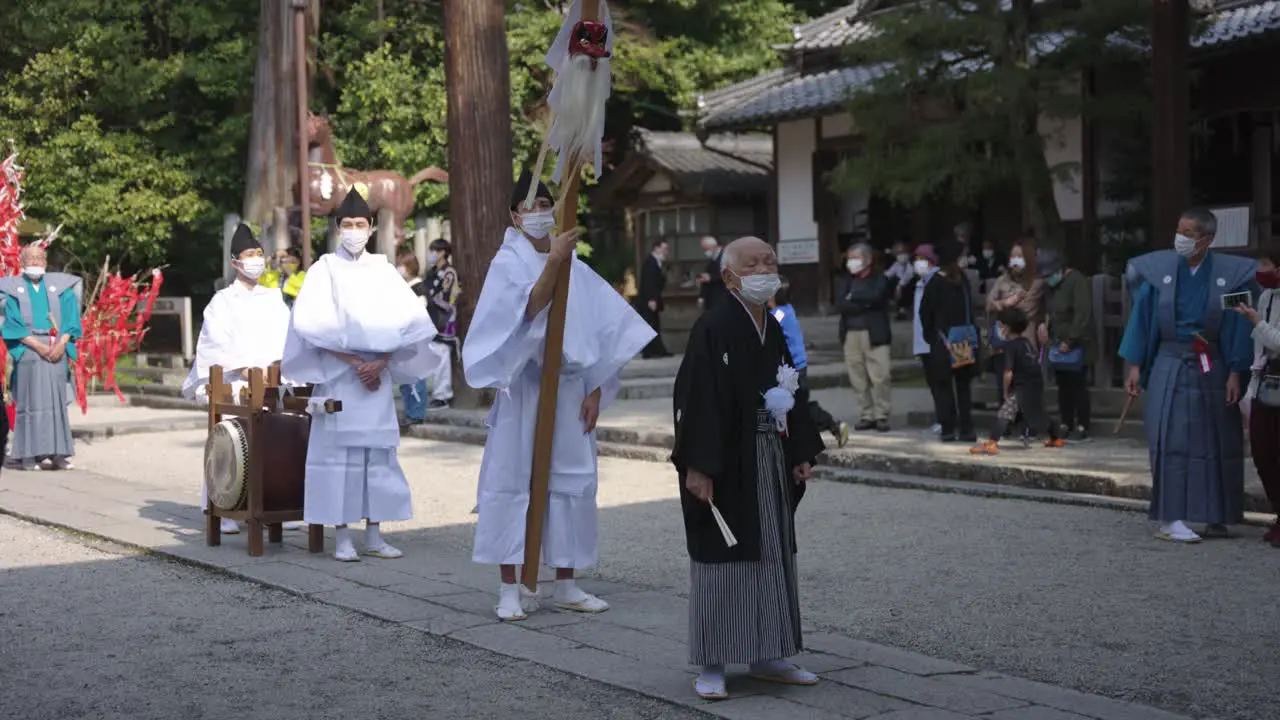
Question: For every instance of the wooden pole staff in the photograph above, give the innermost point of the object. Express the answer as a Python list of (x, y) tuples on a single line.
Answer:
[(549, 387)]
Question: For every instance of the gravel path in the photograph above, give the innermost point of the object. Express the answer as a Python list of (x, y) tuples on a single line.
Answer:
[(88, 632), (1079, 597)]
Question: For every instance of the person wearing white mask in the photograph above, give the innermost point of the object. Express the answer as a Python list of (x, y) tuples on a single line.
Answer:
[(1019, 286), (1189, 356), (357, 331), (925, 267), (745, 444), (244, 327), (863, 297), (41, 327), (503, 350)]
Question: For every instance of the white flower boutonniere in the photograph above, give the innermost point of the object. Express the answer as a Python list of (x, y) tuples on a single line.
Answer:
[(779, 400), (788, 378)]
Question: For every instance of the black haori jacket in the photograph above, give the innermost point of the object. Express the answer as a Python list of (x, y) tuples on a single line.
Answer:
[(719, 389)]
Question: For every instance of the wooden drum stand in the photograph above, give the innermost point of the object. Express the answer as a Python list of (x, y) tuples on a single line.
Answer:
[(257, 402)]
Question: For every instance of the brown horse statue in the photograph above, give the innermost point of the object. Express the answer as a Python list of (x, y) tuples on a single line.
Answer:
[(330, 181)]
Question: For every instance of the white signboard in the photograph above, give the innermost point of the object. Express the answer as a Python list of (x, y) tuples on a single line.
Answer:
[(803, 251), (1233, 227)]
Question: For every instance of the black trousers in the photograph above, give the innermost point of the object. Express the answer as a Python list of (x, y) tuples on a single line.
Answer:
[(655, 348), (4, 430), (821, 418), (1073, 398), (1264, 444), (952, 394), (1027, 403)]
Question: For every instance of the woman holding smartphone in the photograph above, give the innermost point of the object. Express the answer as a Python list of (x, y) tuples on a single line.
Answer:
[(1263, 395)]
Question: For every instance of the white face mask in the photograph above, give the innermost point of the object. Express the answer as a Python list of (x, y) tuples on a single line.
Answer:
[(34, 272), (253, 267), (1183, 245), (539, 223), (1017, 263), (759, 289), (921, 267), (904, 258), (988, 254), (354, 240), (855, 265), (433, 258)]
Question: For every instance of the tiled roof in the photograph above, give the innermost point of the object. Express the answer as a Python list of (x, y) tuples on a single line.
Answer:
[(836, 28), (791, 96), (730, 163), (1236, 21), (784, 93)]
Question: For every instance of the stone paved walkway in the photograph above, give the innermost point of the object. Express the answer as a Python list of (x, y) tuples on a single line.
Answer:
[(639, 644)]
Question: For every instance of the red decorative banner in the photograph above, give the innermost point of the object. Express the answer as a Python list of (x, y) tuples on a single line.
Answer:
[(115, 315)]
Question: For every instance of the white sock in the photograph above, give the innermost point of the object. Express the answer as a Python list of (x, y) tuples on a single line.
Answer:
[(567, 590), (342, 537), (372, 535)]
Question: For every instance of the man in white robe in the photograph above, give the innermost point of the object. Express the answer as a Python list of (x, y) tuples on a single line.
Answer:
[(244, 327), (356, 334), (504, 350)]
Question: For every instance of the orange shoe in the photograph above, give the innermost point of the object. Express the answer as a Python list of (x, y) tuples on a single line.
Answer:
[(1055, 443), (986, 447)]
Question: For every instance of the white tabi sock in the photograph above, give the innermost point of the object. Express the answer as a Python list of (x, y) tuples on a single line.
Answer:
[(344, 550), (710, 683), (509, 605), (372, 535), (571, 597)]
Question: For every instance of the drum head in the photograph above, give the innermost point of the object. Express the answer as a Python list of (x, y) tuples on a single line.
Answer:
[(226, 464)]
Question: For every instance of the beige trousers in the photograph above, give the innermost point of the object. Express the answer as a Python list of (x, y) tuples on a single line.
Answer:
[(868, 374)]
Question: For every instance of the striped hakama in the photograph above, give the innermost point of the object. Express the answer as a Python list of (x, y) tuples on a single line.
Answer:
[(749, 611), (41, 392)]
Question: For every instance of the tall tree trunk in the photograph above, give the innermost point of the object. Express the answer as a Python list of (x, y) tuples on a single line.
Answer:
[(272, 168), (1170, 142), (1039, 205), (479, 106)]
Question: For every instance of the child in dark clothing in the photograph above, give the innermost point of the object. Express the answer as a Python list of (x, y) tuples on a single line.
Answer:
[(1023, 388)]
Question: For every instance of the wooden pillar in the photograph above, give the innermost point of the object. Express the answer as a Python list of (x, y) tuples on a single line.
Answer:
[(1084, 255), (386, 242), (1170, 159), (279, 229), (229, 224), (1263, 139)]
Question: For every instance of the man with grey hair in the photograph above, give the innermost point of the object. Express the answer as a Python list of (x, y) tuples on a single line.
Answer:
[(863, 299), (41, 326), (744, 448), (710, 287), (1188, 353)]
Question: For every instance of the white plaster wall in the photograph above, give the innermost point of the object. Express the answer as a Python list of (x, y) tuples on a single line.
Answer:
[(658, 183), (1063, 147), (837, 125), (796, 141)]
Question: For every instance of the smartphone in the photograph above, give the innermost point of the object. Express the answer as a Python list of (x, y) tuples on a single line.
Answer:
[(1231, 300)]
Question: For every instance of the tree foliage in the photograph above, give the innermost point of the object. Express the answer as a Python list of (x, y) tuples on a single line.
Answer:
[(964, 88), (133, 116)]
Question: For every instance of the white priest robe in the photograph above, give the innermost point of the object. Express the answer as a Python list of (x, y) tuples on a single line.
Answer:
[(363, 307), (504, 351), (243, 328)]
